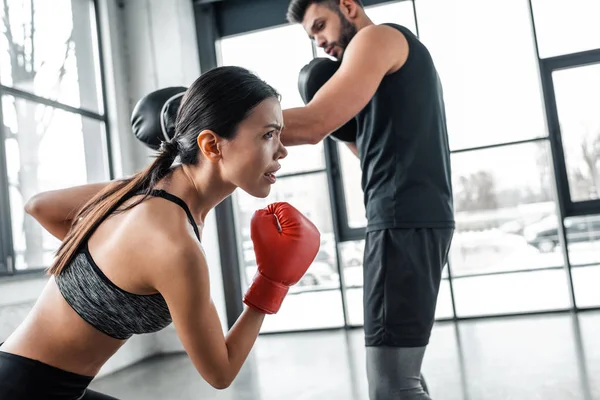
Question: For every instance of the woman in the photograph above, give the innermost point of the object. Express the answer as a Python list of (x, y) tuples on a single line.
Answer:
[(131, 262)]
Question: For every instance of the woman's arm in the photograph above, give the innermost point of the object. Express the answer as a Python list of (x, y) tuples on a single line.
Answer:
[(217, 357), (55, 209)]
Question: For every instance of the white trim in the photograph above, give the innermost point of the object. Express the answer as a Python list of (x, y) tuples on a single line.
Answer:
[(163, 128)]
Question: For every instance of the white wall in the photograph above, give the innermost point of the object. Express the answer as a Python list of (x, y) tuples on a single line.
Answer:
[(17, 296), (147, 44)]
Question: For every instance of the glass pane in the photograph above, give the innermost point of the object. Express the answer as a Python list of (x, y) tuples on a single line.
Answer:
[(307, 310), (488, 99), (444, 302), (353, 194), (577, 93), (46, 149), (351, 254), (502, 196), (511, 293), (583, 238), (590, 332), (315, 302), (354, 305), (401, 13), (564, 27), (302, 159), (292, 50), (585, 284), (42, 51), (354, 299)]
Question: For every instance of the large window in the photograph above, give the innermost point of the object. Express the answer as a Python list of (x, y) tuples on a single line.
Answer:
[(565, 27), (277, 55), (489, 100), (521, 110), (577, 92), (502, 163), (53, 123), (503, 198), (583, 238), (502, 166)]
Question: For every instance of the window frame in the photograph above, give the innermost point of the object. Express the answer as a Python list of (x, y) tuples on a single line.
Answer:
[(6, 241), (344, 231), (234, 274), (7, 251), (225, 21), (570, 208)]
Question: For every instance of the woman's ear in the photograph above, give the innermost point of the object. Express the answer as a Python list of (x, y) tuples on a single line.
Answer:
[(208, 142)]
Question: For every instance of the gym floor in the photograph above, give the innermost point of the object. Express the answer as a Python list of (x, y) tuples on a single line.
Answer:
[(549, 357)]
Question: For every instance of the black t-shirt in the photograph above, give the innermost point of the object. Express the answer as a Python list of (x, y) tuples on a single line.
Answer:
[(403, 147)]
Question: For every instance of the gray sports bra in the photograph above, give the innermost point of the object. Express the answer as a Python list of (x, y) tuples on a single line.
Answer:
[(104, 305)]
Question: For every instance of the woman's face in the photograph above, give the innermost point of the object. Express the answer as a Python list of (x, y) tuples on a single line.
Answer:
[(250, 160)]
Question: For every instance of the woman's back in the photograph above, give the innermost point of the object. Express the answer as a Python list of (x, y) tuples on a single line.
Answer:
[(106, 293)]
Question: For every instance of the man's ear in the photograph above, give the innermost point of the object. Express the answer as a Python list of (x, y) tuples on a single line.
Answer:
[(350, 8), (208, 142)]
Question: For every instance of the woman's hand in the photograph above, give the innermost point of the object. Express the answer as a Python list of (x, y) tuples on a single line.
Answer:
[(56, 209)]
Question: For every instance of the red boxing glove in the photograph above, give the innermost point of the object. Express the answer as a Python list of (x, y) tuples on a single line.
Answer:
[(285, 243)]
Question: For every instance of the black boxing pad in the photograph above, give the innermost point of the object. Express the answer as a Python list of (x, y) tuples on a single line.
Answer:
[(154, 115), (312, 77)]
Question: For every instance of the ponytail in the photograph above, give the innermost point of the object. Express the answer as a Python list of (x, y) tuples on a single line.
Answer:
[(109, 199)]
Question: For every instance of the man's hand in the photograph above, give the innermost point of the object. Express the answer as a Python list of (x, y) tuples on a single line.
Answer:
[(374, 52)]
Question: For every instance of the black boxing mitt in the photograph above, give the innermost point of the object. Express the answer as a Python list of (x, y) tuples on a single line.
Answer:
[(312, 77), (154, 115)]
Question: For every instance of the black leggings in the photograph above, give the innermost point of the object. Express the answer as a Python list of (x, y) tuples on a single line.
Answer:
[(24, 378)]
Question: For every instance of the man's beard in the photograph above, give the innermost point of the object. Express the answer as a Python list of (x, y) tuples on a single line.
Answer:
[(347, 32)]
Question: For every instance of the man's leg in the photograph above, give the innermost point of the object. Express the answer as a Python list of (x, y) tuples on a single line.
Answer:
[(402, 273), (395, 373)]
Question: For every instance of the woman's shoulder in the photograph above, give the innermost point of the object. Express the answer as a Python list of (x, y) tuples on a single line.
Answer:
[(156, 215), (161, 231), (175, 257)]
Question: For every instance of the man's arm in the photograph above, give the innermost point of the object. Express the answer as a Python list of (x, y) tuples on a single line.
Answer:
[(371, 55)]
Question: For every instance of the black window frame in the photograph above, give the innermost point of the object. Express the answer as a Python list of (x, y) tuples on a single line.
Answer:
[(7, 251), (229, 17), (547, 67)]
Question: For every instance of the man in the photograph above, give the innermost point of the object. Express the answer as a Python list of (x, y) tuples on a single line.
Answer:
[(387, 80)]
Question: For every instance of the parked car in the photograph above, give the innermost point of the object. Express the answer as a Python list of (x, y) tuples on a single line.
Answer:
[(543, 234)]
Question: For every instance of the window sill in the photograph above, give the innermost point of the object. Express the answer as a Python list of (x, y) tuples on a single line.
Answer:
[(23, 275), (22, 287)]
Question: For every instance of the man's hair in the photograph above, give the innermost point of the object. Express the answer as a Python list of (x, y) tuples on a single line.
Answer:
[(297, 8)]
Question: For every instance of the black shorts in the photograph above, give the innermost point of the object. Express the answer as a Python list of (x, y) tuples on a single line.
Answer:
[(23, 378), (402, 273)]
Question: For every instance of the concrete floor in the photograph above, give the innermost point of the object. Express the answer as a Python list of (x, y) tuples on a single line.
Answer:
[(549, 357)]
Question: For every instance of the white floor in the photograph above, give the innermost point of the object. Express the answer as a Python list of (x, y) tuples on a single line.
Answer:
[(550, 357)]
